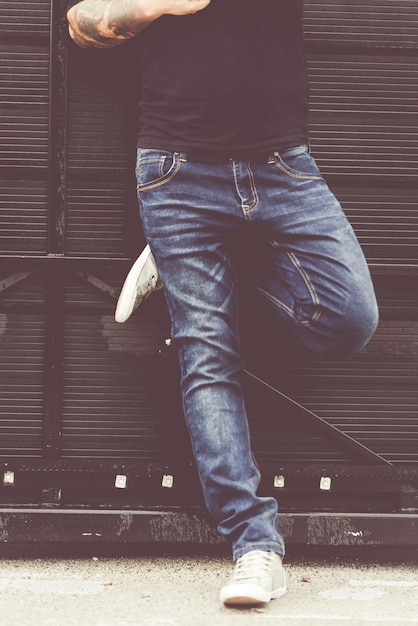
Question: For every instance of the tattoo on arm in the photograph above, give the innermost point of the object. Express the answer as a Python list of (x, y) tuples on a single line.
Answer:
[(104, 23)]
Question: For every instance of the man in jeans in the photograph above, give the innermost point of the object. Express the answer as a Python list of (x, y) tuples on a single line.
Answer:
[(223, 151)]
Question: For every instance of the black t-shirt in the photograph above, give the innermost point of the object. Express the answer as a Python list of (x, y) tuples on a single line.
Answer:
[(230, 79)]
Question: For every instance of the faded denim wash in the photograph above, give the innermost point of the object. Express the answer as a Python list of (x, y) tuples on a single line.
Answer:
[(312, 275)]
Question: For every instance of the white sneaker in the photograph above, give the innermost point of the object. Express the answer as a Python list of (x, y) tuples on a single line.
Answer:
[(141, 281), (258, 577)]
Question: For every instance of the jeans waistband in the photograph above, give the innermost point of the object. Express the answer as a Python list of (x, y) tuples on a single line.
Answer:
[(260, 157)]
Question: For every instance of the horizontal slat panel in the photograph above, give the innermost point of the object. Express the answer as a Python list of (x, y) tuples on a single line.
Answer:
[(97, 216), (385, 23), (21, 289), (385, 221), (23, 216), (24, 90), (363, 124), (373, 397), (109, 406), (102, 131), (364, 115), (27, 18), (21, 384)]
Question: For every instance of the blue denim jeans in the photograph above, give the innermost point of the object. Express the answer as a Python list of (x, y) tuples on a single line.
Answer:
[(312, 274)]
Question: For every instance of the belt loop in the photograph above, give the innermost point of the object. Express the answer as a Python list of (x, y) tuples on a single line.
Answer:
[(183, 157)]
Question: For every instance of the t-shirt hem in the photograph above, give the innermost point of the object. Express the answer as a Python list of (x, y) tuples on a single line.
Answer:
[(223, 152)]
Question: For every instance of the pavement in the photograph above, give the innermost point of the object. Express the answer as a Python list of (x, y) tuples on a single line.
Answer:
[(156, 589)]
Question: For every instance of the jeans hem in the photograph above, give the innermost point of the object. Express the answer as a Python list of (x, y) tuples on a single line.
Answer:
[(267, 546)]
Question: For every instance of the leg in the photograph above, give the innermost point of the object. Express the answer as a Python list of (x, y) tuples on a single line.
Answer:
[(189, 213), (314, 275)]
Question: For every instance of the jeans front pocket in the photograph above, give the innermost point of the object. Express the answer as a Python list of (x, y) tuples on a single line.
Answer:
[(155, 167), (298, 163)]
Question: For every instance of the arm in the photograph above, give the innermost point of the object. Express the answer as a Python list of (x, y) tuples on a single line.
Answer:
[(109, 23)]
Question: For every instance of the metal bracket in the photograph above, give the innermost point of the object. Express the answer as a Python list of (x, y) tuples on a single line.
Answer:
[(10, 281), (99, 284)]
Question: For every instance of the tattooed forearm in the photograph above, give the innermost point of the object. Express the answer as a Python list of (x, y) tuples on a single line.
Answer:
[(106, 23)]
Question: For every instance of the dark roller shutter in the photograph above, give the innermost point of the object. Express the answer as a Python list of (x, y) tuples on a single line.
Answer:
[(90, 414)]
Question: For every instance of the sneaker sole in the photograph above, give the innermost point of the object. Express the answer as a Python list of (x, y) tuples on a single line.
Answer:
[(128, 296), (250, 595)]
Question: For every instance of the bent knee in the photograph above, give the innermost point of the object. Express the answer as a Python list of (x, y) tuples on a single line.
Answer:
[(354, 330)]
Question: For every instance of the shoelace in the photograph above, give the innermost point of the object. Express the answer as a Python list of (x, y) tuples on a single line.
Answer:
[(253, 565)]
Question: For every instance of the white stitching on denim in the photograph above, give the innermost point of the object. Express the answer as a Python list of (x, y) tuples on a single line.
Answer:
[(296, 263), (246, 207), (234, 172), (278, 303), (299, 176), (310, 287), (162, 181), (161, 162), (253, 187)]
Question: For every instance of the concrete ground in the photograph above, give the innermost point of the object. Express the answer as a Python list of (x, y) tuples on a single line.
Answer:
[(99, 589)]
